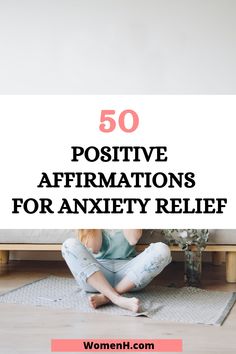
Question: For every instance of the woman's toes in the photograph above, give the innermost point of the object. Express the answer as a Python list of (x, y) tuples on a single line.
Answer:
[(92, 301), (98, 300)]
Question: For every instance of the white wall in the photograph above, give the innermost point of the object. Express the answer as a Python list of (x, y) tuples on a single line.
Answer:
[(117, 46)]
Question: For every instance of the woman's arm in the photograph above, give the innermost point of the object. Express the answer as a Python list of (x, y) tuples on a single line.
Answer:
[(132, 235), (91, 238)]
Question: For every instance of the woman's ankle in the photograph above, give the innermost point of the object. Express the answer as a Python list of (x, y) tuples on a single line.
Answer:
[(115, 298)]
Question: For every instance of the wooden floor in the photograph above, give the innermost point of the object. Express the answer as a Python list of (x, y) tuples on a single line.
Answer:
[(28, 330)]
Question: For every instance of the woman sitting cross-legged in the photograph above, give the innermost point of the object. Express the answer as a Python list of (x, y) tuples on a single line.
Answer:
[(105, 261)]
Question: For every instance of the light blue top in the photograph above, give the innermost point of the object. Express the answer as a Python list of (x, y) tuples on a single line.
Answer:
[(115, 245)]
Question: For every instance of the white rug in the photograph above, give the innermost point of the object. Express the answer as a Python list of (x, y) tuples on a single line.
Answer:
[(186, 305)]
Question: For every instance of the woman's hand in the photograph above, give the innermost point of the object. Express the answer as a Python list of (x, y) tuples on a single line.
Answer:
[(132, 235)]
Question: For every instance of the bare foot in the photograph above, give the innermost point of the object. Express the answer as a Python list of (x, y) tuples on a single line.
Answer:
[(132, 304), (128, 303), (98, 300)]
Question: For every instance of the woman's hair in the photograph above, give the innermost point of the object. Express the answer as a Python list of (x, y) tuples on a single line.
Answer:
[(85, 234)]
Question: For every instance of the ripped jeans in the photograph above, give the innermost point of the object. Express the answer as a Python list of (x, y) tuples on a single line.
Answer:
[(140, 270)]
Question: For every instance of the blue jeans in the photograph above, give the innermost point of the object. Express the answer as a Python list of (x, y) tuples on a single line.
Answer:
[(140, 270)]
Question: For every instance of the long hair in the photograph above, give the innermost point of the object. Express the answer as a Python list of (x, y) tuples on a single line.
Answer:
[(85, 234)]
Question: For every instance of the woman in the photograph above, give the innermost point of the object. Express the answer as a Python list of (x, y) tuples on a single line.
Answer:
[(105, 261)]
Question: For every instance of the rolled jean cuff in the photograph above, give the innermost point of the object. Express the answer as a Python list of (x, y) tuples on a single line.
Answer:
[(134, 278), (89, 270)]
